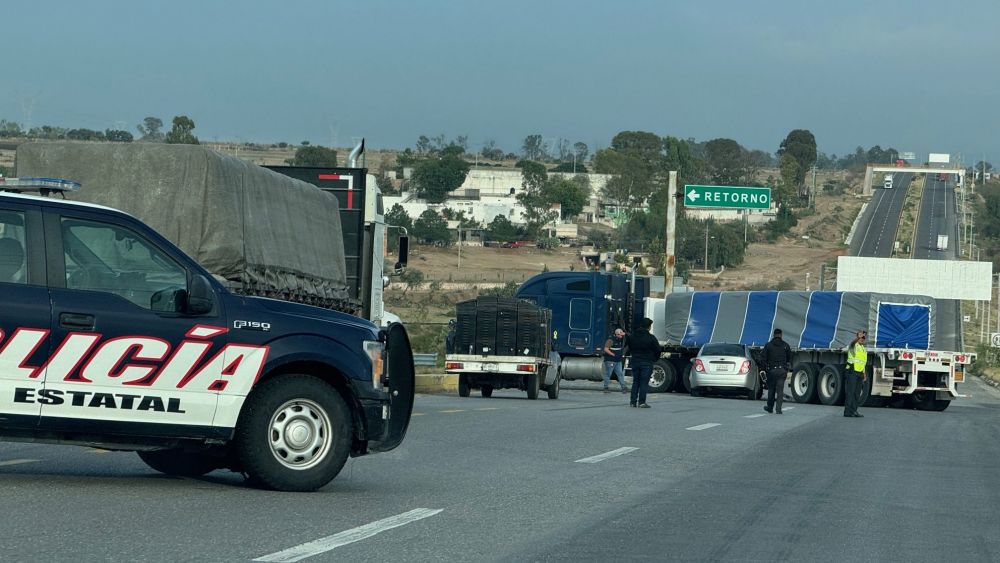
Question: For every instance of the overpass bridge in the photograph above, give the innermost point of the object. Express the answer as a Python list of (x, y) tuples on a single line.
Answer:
[(871, 169)]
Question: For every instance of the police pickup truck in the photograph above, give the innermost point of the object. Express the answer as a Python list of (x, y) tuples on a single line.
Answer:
[(112, 337)]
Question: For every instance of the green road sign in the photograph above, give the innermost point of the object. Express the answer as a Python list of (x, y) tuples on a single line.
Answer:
[(731, 197)]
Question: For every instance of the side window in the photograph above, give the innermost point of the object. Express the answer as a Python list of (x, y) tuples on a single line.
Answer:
[(13, 267), (579, 314), (114, 259)]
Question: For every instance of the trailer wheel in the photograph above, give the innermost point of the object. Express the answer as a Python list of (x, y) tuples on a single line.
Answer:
[(531, 384), (486, 390), (553, 389), (663, 377), (940, 405), (803, 382), (463, 385), (926, 401), (830, 385)]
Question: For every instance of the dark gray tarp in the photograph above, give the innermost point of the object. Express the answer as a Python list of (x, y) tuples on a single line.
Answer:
[(264, 232)]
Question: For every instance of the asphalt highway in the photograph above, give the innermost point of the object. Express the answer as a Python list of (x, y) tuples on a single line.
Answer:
[(876, 233), (581, 478), (939, 216)]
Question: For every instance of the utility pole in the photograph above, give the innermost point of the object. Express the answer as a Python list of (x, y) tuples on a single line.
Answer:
[(706, 246), (460, 244), (670, 243)]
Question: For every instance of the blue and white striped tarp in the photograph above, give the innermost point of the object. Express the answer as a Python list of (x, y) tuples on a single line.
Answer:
[(821, 320)]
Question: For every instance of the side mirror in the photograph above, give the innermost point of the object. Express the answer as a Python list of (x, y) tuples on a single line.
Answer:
[(200, 297), (404, 251)]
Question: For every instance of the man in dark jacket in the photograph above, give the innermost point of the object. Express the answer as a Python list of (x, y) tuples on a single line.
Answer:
[(777, 357), (644, 350)]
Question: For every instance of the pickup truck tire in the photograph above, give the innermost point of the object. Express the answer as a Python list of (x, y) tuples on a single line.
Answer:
[(553, 389), (830, 385), (486, 391), (294, 434), (532, 385), (180, 462), (663, 377), (802, 382), (463, 385)]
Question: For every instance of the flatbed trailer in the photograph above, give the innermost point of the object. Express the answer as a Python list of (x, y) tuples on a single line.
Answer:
[(902, 363)]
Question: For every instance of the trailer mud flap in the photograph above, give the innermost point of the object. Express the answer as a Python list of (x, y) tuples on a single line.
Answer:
[(401, 386)]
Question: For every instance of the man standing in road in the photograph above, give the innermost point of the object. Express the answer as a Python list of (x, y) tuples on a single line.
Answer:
[(854, 375), (644, 350), (613, 358), (777, 358)]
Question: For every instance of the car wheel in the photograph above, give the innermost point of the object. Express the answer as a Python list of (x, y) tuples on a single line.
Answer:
[(463, 385), (294, 433), (180, 462), (531, 384), (553, 389), (486, 391), (803, 382), (662, 378), (830, 385), (697, 392)]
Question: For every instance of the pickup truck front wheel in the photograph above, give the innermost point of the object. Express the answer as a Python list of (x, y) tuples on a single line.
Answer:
[(294, 434)]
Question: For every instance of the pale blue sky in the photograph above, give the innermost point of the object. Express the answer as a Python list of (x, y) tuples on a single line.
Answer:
[(913, 75)]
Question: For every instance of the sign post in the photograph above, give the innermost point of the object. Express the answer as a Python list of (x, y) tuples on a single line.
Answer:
[(728, 197)]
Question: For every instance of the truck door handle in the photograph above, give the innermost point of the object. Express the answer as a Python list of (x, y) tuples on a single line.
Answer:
[(76, 320)]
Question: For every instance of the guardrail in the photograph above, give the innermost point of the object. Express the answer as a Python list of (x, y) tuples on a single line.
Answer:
[(429, 359)]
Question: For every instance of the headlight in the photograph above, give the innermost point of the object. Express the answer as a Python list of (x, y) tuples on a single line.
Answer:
[(376, 355)]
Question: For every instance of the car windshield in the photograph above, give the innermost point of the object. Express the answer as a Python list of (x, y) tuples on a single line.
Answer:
[(722, 350)]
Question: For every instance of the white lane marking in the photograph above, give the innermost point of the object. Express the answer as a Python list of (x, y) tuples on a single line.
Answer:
[(17, 461), (606, 455), (789, 408), (705, 426), (755, 415), (328, 543)]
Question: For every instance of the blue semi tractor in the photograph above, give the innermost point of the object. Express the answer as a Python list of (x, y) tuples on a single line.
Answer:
[(586, 308)]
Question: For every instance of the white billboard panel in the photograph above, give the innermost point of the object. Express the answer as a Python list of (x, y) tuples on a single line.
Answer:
[(908, 155), (941, 279), (939, 158)]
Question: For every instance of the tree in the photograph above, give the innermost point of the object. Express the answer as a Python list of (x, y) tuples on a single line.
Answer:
[(801, 145), (118, 136), (423, 146), (532, 196), (84, 135), (570, 168), (397, 217), (313, 155), (571, 196), (502, 230), (789, 176), (534, 148), (430, 227), (491, 151), (181, 133), (725, 161), (10, 129), (435, 178), (150, 130), (581, 151)]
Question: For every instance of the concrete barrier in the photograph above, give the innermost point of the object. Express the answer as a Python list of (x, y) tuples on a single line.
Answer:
[(436, 383)]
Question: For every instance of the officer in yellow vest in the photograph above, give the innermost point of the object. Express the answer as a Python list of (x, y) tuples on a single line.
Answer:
[(854, 375)]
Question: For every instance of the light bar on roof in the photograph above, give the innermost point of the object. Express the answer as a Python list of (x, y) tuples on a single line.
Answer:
[(38, 185)]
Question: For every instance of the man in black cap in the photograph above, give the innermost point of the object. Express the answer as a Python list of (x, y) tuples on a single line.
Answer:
[(644, 350), (777, 356)]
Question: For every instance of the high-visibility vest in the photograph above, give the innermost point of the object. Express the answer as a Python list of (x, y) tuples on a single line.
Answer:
[(857, 357)]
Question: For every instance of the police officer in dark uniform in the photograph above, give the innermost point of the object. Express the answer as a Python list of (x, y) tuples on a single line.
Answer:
[(777, 358)]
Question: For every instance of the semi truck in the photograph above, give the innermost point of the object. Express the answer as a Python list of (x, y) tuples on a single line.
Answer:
[(942, 242), (586, 308), (819, 325), (277, 369), (503, 343), (906, 364)]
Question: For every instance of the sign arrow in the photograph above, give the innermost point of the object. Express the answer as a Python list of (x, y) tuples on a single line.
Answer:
[(693, 195)]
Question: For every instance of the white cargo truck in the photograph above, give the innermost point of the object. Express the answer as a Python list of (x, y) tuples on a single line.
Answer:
[(942, 242)]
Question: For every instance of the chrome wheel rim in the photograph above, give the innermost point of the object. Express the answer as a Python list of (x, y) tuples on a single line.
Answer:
[(657, 378)]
